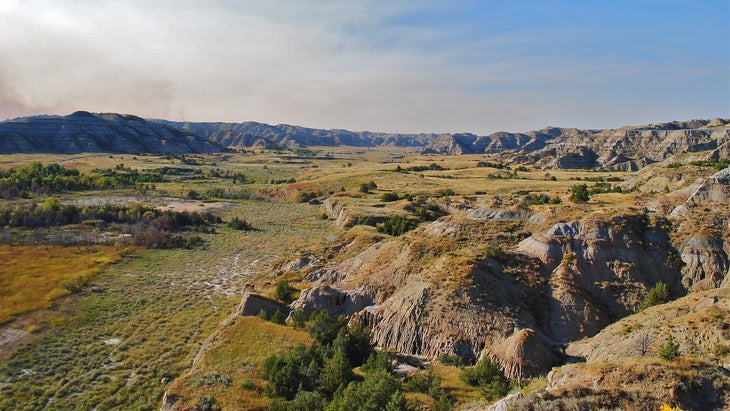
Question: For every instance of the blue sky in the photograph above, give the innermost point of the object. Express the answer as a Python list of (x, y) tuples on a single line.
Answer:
[(420, 66)]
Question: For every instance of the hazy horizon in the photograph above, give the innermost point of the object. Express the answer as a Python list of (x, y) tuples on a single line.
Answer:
[(401, 67)]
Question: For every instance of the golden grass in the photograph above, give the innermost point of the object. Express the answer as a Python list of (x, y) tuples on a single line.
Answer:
[(450, 380), (238, 356), (32, 277)]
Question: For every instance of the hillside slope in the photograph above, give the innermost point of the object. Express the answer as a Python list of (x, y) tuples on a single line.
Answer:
[(86, 132)]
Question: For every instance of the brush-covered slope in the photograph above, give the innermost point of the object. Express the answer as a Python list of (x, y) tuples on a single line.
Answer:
[(621, 366), (86, 132)]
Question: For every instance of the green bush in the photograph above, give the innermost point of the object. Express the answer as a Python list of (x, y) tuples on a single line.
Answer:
[(579, 193), (284, 292), (487, 375), (396, 225), (240, 224), (659, 294), (670, 350), (389, 196), (451, 359)]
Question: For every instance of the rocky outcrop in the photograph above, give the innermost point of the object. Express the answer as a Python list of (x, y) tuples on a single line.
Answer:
[(498, 214), (524, 354), (599, 270), (579, 157), (338, 213), (420, 297), (573, 312), (705, 262), (86, 132), (715, 188), (253, 304), (335, 301)]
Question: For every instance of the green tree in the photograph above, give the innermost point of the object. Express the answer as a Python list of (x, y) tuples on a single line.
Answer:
[(377, 362), (372, 394), (324, 327), (659, 294), (303, 401), (279, 317), (335, 373), (579, 193), (283, 291), (298, 318), (357, 341), (670, 350), (487, 375)]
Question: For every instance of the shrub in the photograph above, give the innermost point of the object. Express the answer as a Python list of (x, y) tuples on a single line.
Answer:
[(446, 192), (240, 224), (279, 317), (487, 375), (207, 403), (211, 379), (283, 291), (451, 359), (77, 285), (396, 225), (389, 196), (670, 350), (579, 193), (657, 295)]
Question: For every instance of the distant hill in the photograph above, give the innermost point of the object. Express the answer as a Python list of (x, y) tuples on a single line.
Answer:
[(250, 134), (626, 148), (86, 132)]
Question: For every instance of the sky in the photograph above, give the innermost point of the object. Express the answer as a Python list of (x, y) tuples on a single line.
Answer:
[(379, 65)]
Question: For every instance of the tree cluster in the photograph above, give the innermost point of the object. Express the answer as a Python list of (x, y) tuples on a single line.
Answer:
[(150, 227), (487, 375), (52, 178), (321, 377)]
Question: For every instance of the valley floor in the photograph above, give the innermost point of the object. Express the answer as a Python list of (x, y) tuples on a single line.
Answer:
[(119, 345)]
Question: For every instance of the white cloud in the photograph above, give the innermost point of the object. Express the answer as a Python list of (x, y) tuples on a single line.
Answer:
[(314, 63)]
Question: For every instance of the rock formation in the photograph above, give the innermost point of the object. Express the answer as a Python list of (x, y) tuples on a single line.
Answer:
[(421, 297)]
